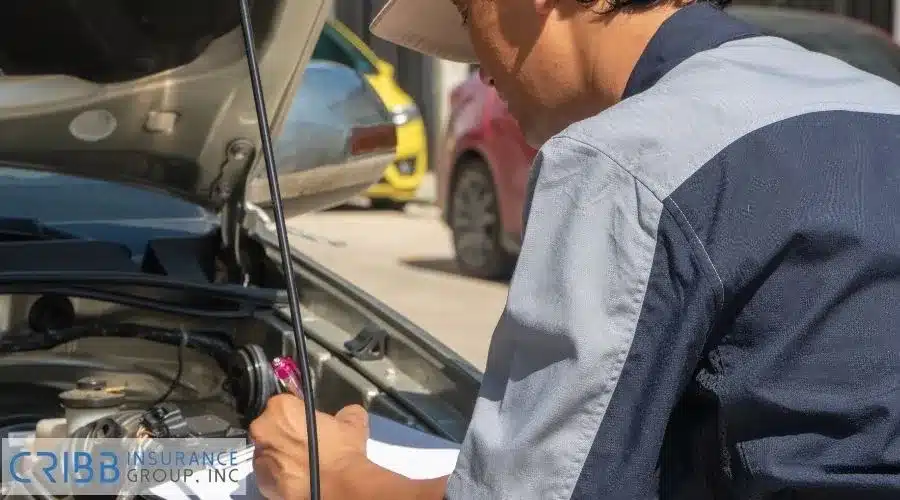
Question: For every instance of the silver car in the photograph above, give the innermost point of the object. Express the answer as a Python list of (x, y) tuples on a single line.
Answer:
[(139, 270)]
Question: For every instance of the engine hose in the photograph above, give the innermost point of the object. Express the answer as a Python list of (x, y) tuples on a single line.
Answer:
[(213, 343), (20, 419), (38, 491)]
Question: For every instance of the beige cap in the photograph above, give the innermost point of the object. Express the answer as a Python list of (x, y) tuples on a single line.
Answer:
[(432, 27)]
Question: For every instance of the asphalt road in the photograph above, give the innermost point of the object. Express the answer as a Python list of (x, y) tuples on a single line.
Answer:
[(405, 259)]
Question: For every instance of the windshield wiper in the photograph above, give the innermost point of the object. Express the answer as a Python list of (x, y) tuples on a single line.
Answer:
[(21, 229)]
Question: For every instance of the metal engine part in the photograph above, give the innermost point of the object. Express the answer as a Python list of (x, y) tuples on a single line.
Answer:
[(251, 381), (92, 399), (92, 408)]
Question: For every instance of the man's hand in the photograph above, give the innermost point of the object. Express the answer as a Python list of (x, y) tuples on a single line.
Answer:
[(281, 460)]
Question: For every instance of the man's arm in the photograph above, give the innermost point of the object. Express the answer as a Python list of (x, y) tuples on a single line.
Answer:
[(606, 320)]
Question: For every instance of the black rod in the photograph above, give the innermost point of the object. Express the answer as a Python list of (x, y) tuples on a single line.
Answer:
[(284, 247)]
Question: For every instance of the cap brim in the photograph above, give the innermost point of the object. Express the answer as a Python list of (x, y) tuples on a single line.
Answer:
[(432, 27)]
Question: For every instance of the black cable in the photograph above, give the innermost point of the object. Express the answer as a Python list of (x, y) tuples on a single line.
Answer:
[(254, 296), (213, 343), (284, 246), (179, 373)]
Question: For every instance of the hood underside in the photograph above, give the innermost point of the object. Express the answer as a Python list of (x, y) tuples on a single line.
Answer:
[(155, 92)]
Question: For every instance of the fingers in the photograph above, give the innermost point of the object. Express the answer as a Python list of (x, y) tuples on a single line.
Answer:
[(279, 476), (284, 403), (265, 474), (355, 418), (281, 456), (283, 416), (284, 419), (269, 428)]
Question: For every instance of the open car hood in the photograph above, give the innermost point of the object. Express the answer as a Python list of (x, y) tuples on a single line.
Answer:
[(157, 93)]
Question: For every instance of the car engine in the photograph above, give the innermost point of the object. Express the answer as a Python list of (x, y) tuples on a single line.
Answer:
[(85, 369), (98, 406)]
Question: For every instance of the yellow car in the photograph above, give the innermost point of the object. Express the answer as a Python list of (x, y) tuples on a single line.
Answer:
[(402, 178)]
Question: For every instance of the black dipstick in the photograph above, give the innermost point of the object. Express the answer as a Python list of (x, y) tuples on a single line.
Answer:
[(287, 266)]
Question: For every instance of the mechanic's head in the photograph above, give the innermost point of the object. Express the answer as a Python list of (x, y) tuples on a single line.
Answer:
[(553, 61), (559, 61)]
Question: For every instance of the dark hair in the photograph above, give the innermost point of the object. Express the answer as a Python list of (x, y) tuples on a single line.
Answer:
[(640, 4)]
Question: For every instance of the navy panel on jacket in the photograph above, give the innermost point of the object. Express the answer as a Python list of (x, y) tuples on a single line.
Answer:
[(802, 221)]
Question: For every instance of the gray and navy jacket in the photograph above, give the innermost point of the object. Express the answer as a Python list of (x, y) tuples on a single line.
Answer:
[(707, 302)]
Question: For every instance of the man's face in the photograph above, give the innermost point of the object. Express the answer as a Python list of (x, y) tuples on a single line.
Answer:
[(521, 46)]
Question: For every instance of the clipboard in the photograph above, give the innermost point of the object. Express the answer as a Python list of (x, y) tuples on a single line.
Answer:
[(394, 446)]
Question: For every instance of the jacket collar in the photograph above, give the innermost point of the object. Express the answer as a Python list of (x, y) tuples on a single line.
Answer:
[(692, 29)]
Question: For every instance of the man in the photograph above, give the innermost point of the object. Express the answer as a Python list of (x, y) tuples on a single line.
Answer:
[(706, 302)]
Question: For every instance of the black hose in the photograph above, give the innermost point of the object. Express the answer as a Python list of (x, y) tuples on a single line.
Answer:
[(284, 246), (177, 379), (213, 343)]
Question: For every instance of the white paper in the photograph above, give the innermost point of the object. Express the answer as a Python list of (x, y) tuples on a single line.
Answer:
[(396, 447), (408, 451)]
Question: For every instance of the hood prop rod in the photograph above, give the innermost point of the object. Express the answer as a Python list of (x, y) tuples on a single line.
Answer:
[(284, 247)]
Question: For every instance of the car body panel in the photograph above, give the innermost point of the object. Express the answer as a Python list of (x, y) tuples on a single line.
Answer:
[(403, 176), (190, 130), (480, 124), (322, 160), (152, 169), (317, 169), (419, 373)]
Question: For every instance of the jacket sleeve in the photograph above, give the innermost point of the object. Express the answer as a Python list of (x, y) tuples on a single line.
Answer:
[(607, 316)]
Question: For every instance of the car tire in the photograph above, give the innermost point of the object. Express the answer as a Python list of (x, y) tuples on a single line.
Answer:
[(475, 224), (386, 204)]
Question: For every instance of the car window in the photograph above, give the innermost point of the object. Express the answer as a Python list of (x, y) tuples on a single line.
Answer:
[(328, 50), (333, 47)]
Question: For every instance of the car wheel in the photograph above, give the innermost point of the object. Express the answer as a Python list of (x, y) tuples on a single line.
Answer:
[(387, 204), (475, 224)]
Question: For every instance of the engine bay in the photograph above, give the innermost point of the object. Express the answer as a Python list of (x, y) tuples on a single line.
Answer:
[(76, 361), (89, 370), (96, 343)]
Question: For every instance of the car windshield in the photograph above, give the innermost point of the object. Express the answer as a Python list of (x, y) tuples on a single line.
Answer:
[(98, 209), (334, 47)]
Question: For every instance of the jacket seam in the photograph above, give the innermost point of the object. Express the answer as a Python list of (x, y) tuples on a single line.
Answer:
[(683, 224)]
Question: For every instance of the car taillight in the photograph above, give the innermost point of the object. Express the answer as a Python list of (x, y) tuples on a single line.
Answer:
[(374, 139)]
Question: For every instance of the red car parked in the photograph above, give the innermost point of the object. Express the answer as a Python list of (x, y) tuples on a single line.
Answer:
[(484, 163)]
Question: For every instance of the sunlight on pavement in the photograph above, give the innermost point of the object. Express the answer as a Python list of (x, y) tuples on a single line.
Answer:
[(406, 260)]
